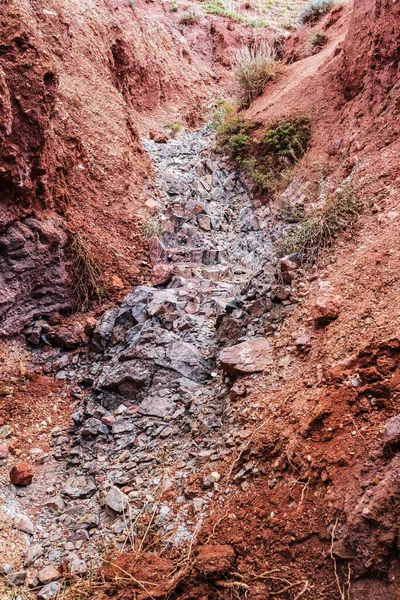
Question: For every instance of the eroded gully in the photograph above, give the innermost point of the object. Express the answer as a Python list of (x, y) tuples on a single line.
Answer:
[(159, 426)]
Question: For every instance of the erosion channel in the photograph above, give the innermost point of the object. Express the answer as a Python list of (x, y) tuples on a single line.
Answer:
[(155, 413)]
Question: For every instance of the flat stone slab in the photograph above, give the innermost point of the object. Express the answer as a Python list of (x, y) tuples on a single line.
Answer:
[(251, 356)]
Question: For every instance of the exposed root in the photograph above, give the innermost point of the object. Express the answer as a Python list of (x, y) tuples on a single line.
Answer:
[(232, 584), (344, 590), (289, 587), (215, 527), (302, 592)]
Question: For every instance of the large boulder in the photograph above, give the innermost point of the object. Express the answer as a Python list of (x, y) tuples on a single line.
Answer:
[(155, 350), (251, 356)]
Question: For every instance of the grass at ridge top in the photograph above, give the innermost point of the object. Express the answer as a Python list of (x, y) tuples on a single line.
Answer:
[(267, 13)]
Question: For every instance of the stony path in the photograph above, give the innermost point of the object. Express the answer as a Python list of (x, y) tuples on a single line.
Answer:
[(146, 443)]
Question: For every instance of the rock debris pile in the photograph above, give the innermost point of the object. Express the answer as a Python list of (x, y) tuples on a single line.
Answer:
[(156, 421)]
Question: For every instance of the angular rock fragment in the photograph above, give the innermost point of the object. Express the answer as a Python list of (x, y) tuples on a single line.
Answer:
[(161, 273), (79, 487), (251, 356), (48, 574), (23, 523), (49, 591), (21, 474), (117, 500), (33, 553), (326, 308), (103, 330), (391, 432)]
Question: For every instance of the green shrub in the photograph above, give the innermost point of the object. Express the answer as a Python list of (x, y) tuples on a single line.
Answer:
[(215, 9), (265, 180), (174, 7), (318, 230), (255, 67), (318, 40), (288, 139), (315, 9), (238, 142), (233, 135), (269, 159)]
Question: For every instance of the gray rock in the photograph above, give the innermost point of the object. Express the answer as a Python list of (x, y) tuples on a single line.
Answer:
[(55, 504), (79, 487), (117, 500), (17, 578), (23, 523), (93, 427), (391, 432), (5, 568), (122, 426), (33, 276), (140, 295), (204, 222), (78, 566), (156, 407), (32, 554), (103, 330), (49, 591)]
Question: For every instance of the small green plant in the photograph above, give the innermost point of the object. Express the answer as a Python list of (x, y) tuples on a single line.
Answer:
[(222, 112), (175, 128), (191, 16), (318, 40), (174, 7), (217, 7), (255, 67), (234, 135), (315, 9), (86, 274), (259, 23), (152, 228), (288, 138), (319, 229), (269, 159), (214, 8)]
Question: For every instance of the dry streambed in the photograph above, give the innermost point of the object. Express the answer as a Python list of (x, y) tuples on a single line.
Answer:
[(154, 427)]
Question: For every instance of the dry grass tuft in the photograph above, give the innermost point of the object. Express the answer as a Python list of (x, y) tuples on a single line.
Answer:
[(191, 16), (86, 274), (152, 228), (255, 68), (318, 230), (315, 9)]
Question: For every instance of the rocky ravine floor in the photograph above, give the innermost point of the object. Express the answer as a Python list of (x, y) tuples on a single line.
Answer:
[(154, 426)]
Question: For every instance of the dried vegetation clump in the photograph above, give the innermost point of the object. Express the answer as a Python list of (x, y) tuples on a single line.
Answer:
[(255, 68), (319, 229), (85, 271), (315, 9)]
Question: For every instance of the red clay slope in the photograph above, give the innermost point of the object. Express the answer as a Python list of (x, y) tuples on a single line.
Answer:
[(77, 80)]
